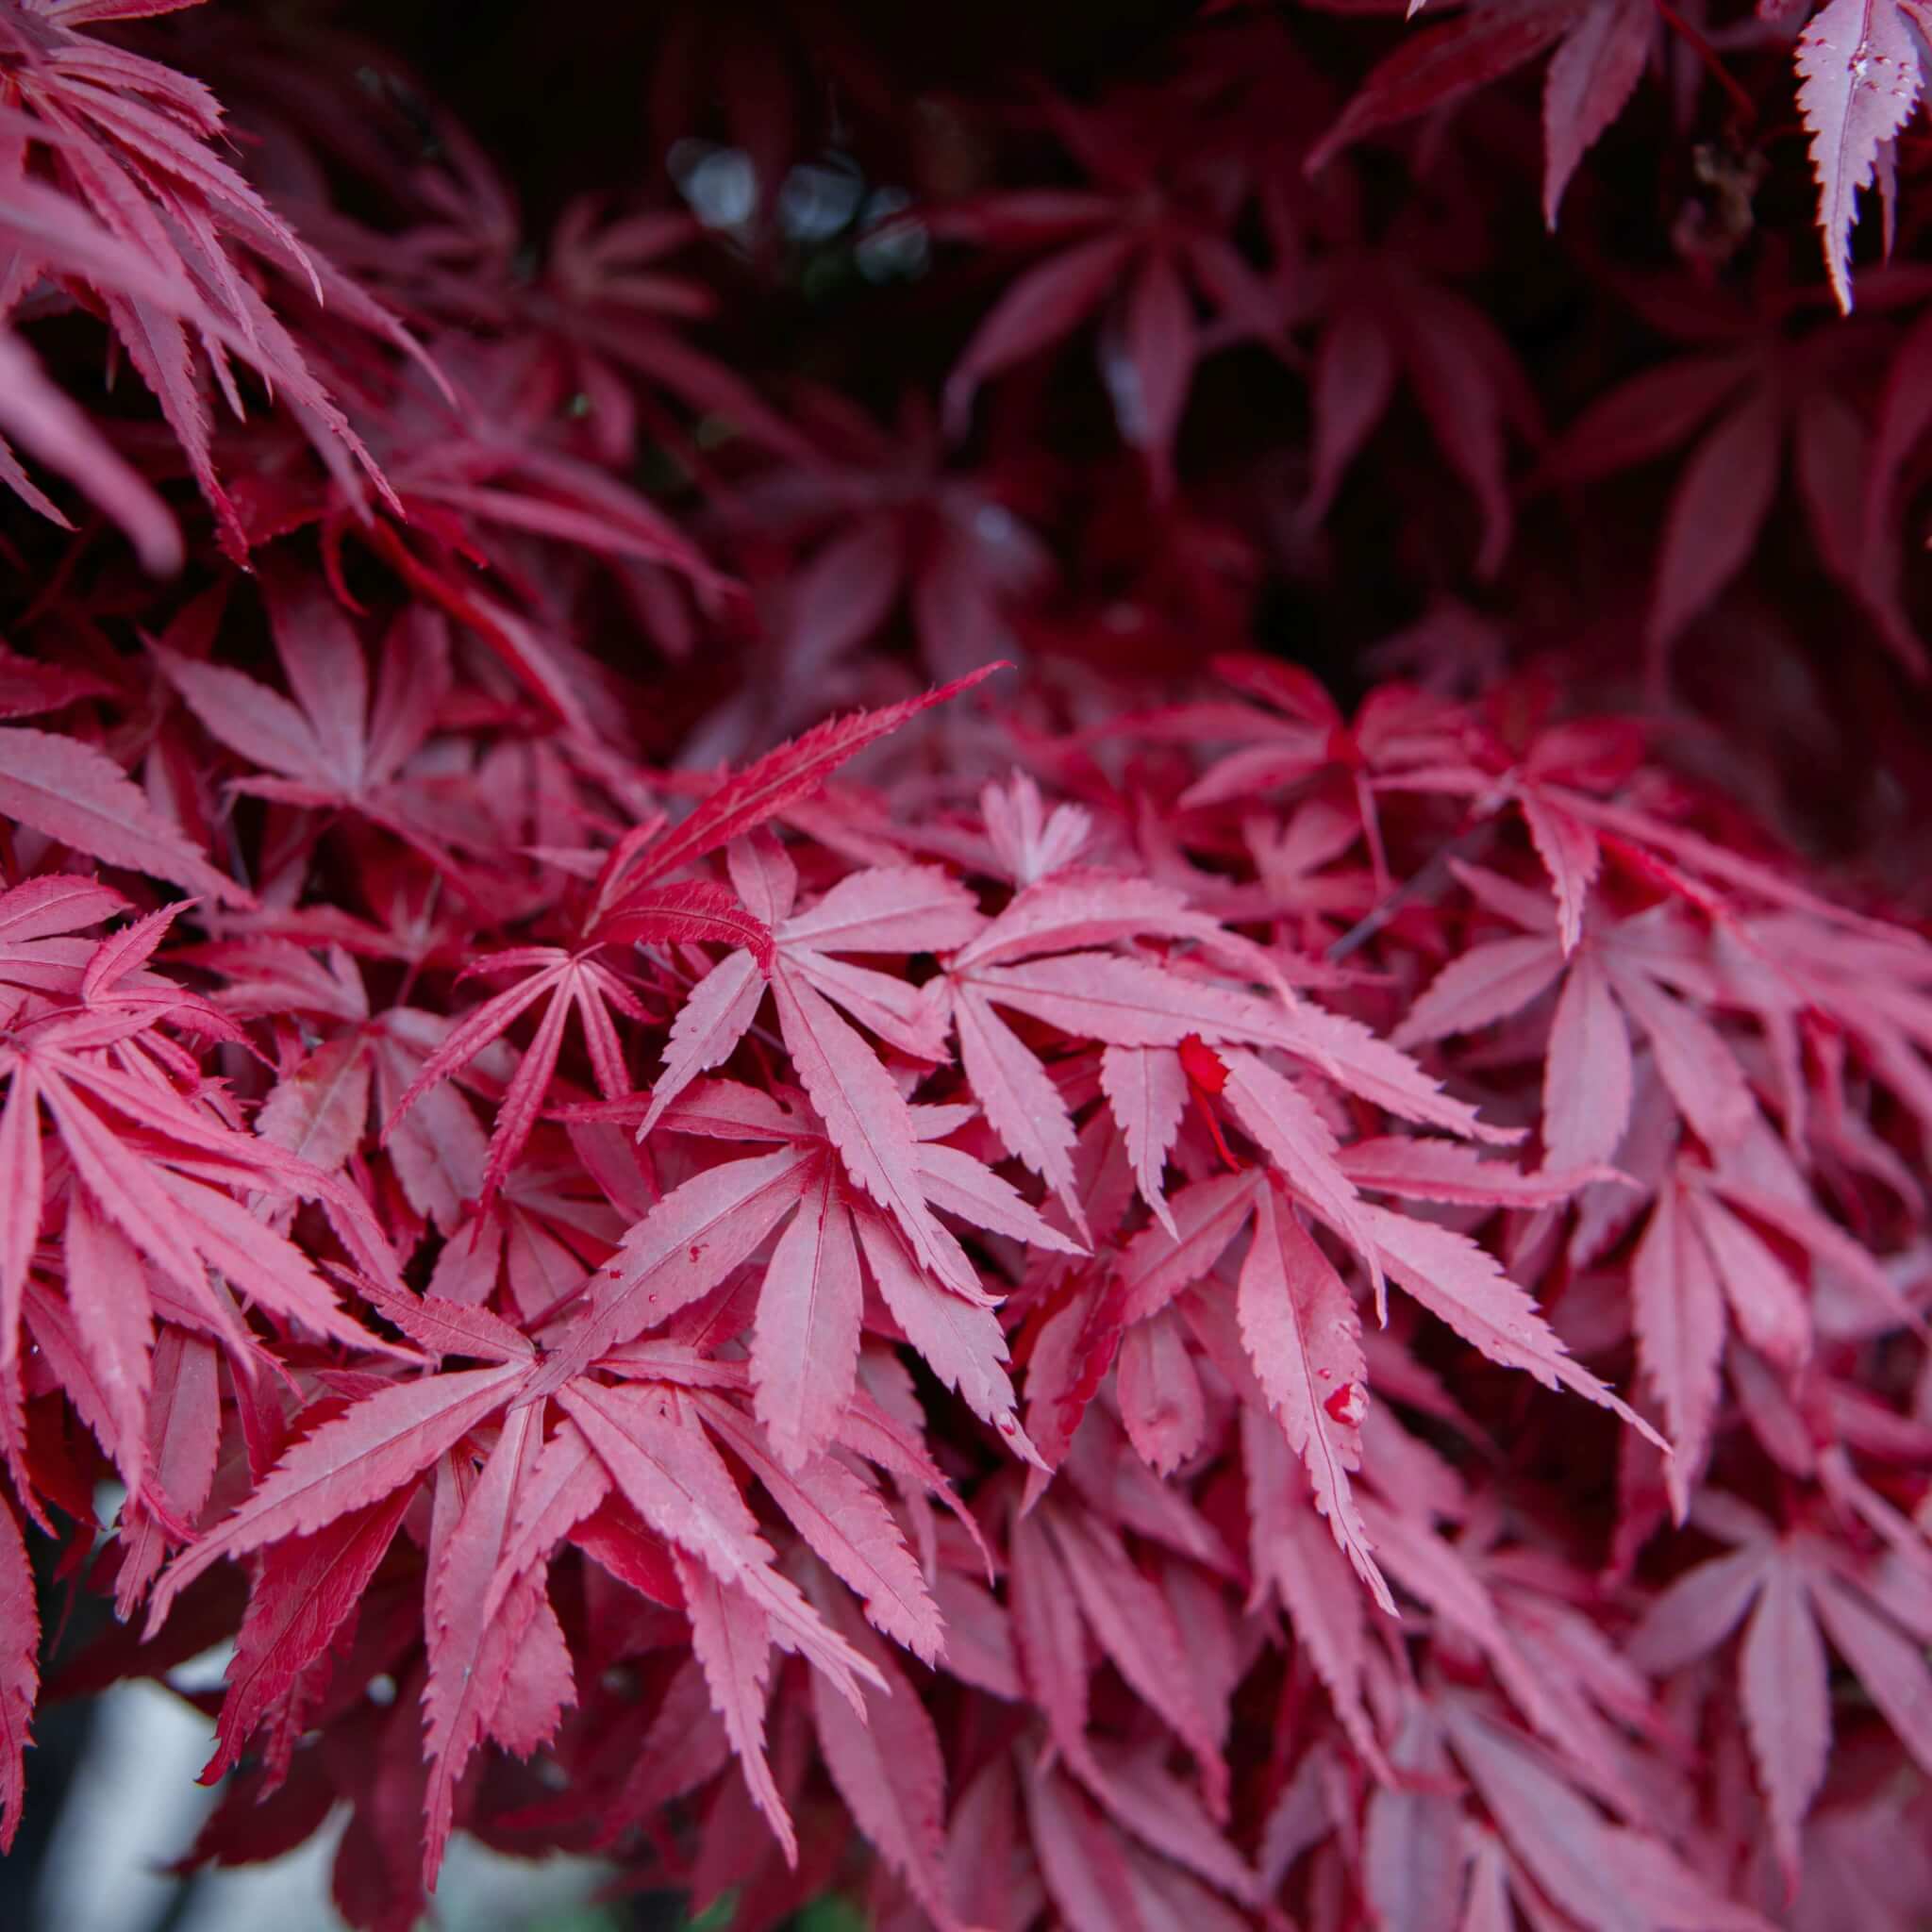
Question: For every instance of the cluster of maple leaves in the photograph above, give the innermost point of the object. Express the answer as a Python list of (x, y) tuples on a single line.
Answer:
[(1105, 1295)]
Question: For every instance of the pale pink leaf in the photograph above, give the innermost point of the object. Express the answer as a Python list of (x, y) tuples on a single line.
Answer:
[(678, 1482), (540, 1685), (887, 1766), (894, 908), (475, 1031), (805, 1343), (1693, 1615), (1161, 1400), (1148, 1092), (319, 1112), (688, 1243), (867, 1122), (1487, 1906), (847, 1525), (76, 794), (1124, 1002), (1482, 986), (249, 718), (438, 1149), (469, 1653), (1135, 1626), (1463, 1286), (1571, 855), (1414, 1837), (1766, 1303), (1073, 909), (959, 1184), (1301, 1330), (61, 902), (128, 1188), (732, 1641), (382, 1441), (1156, 1265), (1166, 1816), (1079, 1858), (959, 1341), (1348, 1053), (1784, 1686), (1429, 1170), (902, 1014), (1286, 1123), (262, 1264), (1323, 1598), (1859, 62), (1554, 1831), (565, 1486), (446, 1327), (1678, 1311), (1693, 1060), (1588, 1076), (107, 1289), (1021, 1102), (1890, 1665)]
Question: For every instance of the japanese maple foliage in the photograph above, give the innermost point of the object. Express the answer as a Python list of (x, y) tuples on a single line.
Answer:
[(1000, 979)]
